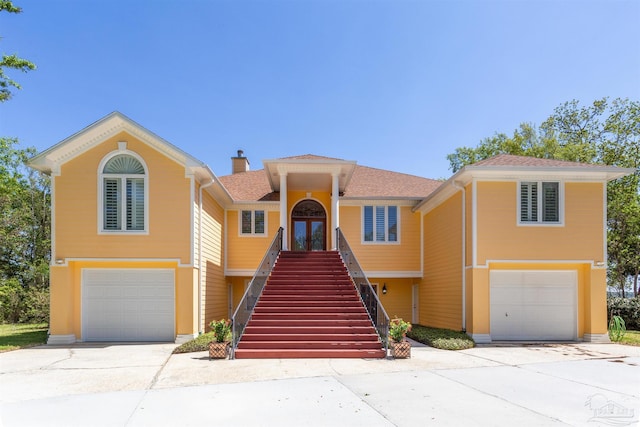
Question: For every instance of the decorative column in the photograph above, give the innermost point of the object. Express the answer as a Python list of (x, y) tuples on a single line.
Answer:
[(284, 210), (335, 205)]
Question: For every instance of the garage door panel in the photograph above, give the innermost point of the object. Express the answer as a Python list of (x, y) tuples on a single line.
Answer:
[(128, 305), (533, 305)]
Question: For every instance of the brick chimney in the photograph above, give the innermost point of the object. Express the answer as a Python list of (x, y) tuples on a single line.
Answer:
[(239, 163)]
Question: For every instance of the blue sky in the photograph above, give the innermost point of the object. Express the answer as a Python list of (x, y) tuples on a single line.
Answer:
[(395, 85)]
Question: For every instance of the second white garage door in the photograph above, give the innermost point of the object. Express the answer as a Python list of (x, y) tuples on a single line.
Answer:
[(128, 305), (533, 305)]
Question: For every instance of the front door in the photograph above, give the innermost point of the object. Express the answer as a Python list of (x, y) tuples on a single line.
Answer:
[(308, 222)]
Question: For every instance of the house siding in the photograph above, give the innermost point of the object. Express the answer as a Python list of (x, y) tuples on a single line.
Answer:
[(501, 238), (76, 208), (402, 257), (441, 288), (214, 289), (246, 252)]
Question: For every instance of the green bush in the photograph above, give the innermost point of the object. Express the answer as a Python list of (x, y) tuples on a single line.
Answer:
[(200, 343), (617, 329), (11, 300), (627, 308), (444, 339), (19, 304), (35, 305)]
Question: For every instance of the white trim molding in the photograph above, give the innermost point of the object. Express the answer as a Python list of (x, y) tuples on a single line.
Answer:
[(61, 339), (597, 338), (481, 338), (394, 274), (183, 338)]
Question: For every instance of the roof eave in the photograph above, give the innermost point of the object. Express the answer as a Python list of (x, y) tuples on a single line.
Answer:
[(468, 173), (50, 160)]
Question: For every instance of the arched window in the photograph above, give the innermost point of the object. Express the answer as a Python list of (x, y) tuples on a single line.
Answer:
[(123, 198)]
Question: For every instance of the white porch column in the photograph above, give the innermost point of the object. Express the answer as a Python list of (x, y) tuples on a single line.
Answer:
[(284, 210), (335, 213)]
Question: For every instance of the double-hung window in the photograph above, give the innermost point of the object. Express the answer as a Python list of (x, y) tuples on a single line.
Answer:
[(252, 222), (540, 202), (123, 197), (380, 224)]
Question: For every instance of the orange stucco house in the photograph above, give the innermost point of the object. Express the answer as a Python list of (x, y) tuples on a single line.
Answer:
[(148, 244)]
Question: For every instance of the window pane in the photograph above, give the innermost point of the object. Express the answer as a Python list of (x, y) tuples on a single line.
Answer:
[(124, 164), (111, 214), (550, 202), (246, 222), (259, 218), (392, 223), (368, 223), (135, 204), (380, 232)]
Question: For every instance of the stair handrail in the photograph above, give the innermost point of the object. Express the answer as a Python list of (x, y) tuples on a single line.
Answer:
[(376, 311), (244, 311)]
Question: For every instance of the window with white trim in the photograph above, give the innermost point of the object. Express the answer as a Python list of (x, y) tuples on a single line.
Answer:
[(380, 224), (252, 222), (540, 202), (123, 199)]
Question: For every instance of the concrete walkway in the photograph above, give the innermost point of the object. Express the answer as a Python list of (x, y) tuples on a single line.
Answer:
[(143, 384)]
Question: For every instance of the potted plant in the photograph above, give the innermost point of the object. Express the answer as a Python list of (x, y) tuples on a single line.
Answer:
[(400, 347), (218, 348)]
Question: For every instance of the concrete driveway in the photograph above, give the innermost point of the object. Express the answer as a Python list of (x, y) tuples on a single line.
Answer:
[(143, 384)]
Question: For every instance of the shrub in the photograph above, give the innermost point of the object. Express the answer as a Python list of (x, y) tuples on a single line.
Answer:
[(444, 339), (11, 300), (221, 330), (398, 329), (627, 308), (200, 343), (617, 329), (35, 305)]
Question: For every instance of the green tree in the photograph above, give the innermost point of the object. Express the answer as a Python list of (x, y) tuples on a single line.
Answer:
[(25, 230), (11, 61), (603, 132)]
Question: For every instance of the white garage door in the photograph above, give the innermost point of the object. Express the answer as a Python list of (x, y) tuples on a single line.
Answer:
[(533, 305), (128, 305)]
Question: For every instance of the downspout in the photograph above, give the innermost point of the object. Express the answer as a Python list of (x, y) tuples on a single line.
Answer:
[(202, 187), (464, 254)]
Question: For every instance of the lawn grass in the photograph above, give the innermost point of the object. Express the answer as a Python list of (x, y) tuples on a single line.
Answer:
[(14, 336), (631, 338), (200, 343), (444, 339)]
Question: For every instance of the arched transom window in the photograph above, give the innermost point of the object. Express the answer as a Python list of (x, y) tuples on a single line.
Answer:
[(123, 197)]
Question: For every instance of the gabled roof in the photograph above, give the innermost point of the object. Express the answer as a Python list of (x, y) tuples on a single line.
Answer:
[(510, 160), (364, 182), (249, 186), (308, 171), (50, 160), (374, 183), (510, 167)]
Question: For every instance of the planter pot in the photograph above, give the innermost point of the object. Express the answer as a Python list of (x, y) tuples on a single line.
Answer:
[(218, 350), (401, 350)]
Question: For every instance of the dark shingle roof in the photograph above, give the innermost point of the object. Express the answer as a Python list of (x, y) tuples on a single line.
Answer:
[(365, 182)]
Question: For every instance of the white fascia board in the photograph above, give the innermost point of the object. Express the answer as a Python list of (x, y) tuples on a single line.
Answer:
[(386, 201), (522, 173), (50, 160), (270, 206), (582, 173)]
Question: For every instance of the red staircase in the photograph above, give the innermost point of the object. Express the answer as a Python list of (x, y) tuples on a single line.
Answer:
[(309, 308)]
